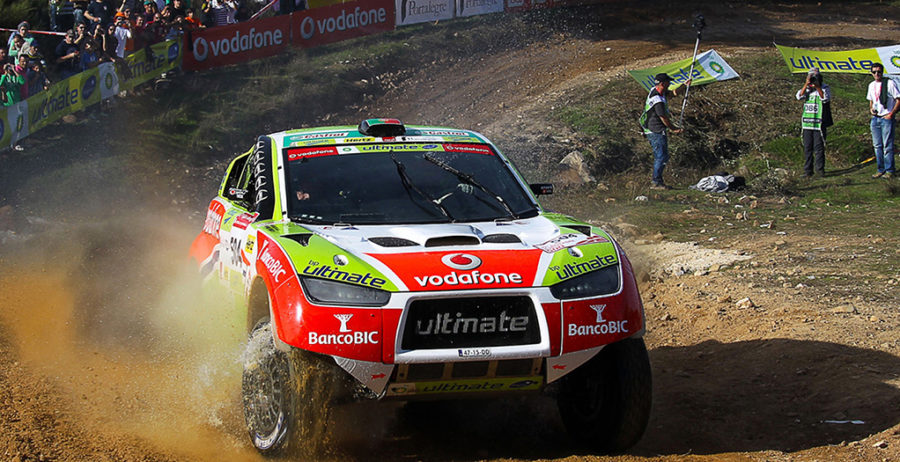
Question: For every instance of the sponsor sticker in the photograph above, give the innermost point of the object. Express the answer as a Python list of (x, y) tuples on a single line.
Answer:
[(470, 148), (600, 327), (245, 219), (569, 240), (345, 335), (272, 264), (329, 272), (299, 153), (466, 386)]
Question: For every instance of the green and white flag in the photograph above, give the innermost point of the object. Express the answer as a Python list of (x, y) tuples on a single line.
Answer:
[(859, 61), (710, 68)]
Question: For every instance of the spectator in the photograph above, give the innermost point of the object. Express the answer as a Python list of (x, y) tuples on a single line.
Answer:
[(144, 37), (113, 46), (67, 56), (24, 31), (11, 86), (90, 55), (884, 102), (21, 66), (178, 8), (54, 7), (222, 11), (655, 121), (815, 120), (121, 31), (36, 79), (81, 35), (150, 11), (98, 13), (4, 57), (79, 7), (192, 22)]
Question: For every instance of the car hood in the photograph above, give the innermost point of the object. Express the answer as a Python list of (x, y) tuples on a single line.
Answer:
[(538, 251)]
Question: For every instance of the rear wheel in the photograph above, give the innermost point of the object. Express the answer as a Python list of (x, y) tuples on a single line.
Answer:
[(605, 404)]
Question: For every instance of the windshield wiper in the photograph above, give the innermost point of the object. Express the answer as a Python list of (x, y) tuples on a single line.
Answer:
[(469, 179), (408, 184)]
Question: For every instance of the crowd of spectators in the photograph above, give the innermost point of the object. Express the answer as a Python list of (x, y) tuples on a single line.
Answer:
[(95, 31)]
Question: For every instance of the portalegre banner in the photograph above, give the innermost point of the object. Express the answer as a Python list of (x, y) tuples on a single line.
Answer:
[(474, 7), (710, 68), (859, 61), (416, 11)]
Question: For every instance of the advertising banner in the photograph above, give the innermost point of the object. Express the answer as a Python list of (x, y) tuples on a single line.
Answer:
[(517, 5), (473, 7), (310, 4), (64, 97), (236, 43), (109, 81), (710, 68), (859, 61), (13, 123), (334, 23), (166, 56), (416, 11)]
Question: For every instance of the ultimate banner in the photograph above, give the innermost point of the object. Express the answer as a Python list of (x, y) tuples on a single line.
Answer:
[(710, 68), (860, 61)]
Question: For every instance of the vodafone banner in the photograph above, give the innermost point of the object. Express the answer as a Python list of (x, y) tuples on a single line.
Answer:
[(334, 23), (416, 11), (237, 43), (473, 7)]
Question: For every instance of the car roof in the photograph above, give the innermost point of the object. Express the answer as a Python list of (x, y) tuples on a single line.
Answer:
[(347, 134)]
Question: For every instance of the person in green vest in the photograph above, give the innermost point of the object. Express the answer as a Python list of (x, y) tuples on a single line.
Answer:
[(655, 121), (816, 97)]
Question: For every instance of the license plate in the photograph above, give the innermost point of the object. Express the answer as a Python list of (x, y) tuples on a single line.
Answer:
[(474, 352)]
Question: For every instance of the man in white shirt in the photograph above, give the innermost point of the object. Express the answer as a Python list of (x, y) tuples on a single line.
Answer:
[(884, 101)]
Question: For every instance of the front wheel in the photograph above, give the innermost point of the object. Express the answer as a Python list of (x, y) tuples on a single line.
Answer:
[(267, 392), (605, 404)]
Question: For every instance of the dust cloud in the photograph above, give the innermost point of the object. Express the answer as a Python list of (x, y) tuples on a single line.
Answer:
[(112, 315)]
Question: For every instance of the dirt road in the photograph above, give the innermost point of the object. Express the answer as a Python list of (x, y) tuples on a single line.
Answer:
[(105, 354)]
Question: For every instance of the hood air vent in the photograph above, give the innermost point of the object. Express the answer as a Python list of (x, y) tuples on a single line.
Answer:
[(452, 240), (392, 242), (583, 229), (302, 239), (502, 239)]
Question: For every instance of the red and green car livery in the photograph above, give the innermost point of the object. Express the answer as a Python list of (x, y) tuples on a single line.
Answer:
[(418, 261)]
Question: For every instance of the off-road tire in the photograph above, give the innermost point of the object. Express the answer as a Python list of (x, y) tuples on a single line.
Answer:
[(267, 392), (287, 396), (605, 403)]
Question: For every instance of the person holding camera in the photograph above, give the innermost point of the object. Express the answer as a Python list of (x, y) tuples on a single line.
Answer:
[(884, 101), (11, 85), (816, 97)]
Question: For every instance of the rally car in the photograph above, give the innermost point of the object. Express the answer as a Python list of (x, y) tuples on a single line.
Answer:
[(387, 261)]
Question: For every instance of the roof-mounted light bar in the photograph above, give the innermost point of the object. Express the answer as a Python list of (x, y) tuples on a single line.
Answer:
[(381, 128)]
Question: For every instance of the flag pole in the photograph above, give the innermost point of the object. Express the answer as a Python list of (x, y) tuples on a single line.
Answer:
[(699, 24)]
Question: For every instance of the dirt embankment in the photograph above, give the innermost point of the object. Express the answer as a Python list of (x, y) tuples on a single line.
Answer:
[(771, 347)]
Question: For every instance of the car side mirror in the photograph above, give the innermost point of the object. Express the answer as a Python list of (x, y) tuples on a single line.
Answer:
[(541, 189)]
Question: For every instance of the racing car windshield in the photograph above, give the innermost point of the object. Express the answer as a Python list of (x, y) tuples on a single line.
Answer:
[(402, 183)]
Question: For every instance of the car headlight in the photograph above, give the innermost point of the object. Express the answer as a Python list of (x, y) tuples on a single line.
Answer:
[(601, 282), (339, 293)]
